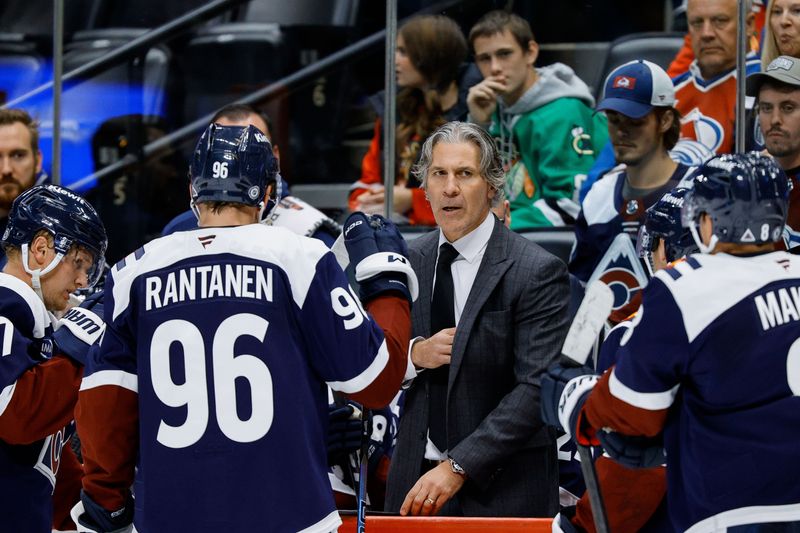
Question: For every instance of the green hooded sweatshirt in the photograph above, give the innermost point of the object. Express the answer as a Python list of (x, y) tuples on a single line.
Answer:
[(548, 141)]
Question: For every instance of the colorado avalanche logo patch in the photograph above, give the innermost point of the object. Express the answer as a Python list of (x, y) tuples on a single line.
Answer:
[(622, 271)]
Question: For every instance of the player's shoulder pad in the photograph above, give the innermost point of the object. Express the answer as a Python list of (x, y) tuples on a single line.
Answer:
[(599, 206), (20, 304)]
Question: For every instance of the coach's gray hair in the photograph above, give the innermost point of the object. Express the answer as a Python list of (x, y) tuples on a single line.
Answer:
[(491, 167)]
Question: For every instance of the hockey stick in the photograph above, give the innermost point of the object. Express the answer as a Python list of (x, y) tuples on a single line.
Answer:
[(583, 332), (363, 458)]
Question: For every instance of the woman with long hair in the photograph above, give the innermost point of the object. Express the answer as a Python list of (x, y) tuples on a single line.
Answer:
[(433, 81)]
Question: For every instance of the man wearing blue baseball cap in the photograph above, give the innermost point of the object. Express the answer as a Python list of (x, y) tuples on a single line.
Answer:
[(643, 126)]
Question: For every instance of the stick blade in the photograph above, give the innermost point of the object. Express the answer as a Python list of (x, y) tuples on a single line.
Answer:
[(589, 320)]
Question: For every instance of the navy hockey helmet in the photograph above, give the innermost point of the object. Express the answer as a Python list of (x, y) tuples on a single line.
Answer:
[(233, 164), (663, 221), (71, 220), (746, 196)]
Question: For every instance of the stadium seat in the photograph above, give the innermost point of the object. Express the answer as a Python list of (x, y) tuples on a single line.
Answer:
[(658, 47), (120, 90), (22, 68), (586, 59)]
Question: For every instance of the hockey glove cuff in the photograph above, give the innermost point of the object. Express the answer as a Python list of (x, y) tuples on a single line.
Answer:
[(344, 432), (569, 408), (92, 518), (80, 328), (553, 383)]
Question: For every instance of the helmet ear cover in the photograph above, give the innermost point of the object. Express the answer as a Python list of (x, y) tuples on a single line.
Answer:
[(746, 197), (68, 218)]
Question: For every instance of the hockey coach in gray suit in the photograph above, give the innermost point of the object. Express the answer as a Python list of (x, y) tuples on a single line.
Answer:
[(491, 316)]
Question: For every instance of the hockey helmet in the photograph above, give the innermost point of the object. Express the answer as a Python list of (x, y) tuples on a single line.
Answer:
[(70, 219), (746, 196), (234, 164), (663, 221)]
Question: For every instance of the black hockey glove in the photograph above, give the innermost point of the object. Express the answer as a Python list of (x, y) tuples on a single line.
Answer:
[(380, 256), (80, 328), (344, 432), (554, 381), (633, 452)]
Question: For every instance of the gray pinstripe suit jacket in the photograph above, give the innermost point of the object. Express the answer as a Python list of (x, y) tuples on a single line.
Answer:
[(511, 329)]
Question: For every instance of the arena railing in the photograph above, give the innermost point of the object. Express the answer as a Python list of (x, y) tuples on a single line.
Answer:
[(179, 25)]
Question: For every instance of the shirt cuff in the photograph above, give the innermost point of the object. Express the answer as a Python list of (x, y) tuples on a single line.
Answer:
[(411, 372)]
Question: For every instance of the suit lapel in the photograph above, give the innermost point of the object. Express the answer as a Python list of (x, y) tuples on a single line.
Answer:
[(425, 269), (494, 264)]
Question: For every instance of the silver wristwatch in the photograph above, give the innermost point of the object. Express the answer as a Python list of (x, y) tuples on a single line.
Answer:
[(455, 467)]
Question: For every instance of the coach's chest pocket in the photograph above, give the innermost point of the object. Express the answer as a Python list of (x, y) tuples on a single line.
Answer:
[(493, 332)]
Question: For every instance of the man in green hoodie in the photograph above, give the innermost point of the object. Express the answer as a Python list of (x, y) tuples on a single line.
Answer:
[(541, 118)]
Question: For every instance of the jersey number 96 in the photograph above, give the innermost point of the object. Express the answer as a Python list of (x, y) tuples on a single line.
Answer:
[(226, 368)]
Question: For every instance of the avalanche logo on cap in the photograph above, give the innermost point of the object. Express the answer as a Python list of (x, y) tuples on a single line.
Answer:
[(624, 82)]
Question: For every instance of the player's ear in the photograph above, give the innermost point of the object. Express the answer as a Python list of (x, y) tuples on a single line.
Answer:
[(37, 253)]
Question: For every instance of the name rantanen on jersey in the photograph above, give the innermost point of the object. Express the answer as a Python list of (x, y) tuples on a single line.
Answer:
[(210, 281)]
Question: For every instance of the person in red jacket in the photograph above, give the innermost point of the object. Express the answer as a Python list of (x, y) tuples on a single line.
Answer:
[(431, 50)]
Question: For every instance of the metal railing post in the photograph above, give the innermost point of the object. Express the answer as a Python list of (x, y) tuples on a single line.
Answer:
[(389, 113)]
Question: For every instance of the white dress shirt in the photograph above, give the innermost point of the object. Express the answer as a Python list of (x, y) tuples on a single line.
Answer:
[(470, 248)]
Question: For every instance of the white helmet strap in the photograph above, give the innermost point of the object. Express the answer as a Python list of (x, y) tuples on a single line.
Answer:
[(36, 274), (706, 249)]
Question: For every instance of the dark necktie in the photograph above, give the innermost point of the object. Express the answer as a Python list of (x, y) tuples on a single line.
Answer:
[(442, 317)]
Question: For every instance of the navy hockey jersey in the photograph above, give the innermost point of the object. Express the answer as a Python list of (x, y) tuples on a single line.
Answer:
[(606, 213), (37, 396), (218, 348), (713, 360)]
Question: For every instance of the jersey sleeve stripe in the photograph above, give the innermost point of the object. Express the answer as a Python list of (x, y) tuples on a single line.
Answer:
[(111, 377), (362, 381), (652, 401), (5, 396)]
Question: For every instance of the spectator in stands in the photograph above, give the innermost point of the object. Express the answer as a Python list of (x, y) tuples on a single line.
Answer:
[(782, 33), (430, 69), (20, 161), (685, 55), (643, 125), (777, 91), (291, 212), (541, 119), (706, 94)]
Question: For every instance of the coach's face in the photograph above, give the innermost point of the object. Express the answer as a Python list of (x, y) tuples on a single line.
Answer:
[(459, 195), (19, 163)]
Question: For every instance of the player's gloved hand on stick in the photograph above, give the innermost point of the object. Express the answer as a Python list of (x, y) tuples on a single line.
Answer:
[(380, 256), (344, 431), (564, 391), (80, 328), (92, 518), (633, 452)]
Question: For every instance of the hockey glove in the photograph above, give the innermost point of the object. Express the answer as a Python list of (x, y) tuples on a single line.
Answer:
[(554, 380), (81, 327), (633, 452), (344, 432), (379, 254), (92, 518)]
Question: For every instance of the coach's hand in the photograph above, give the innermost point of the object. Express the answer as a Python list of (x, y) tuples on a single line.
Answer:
[(432, 491), (434, 351)]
